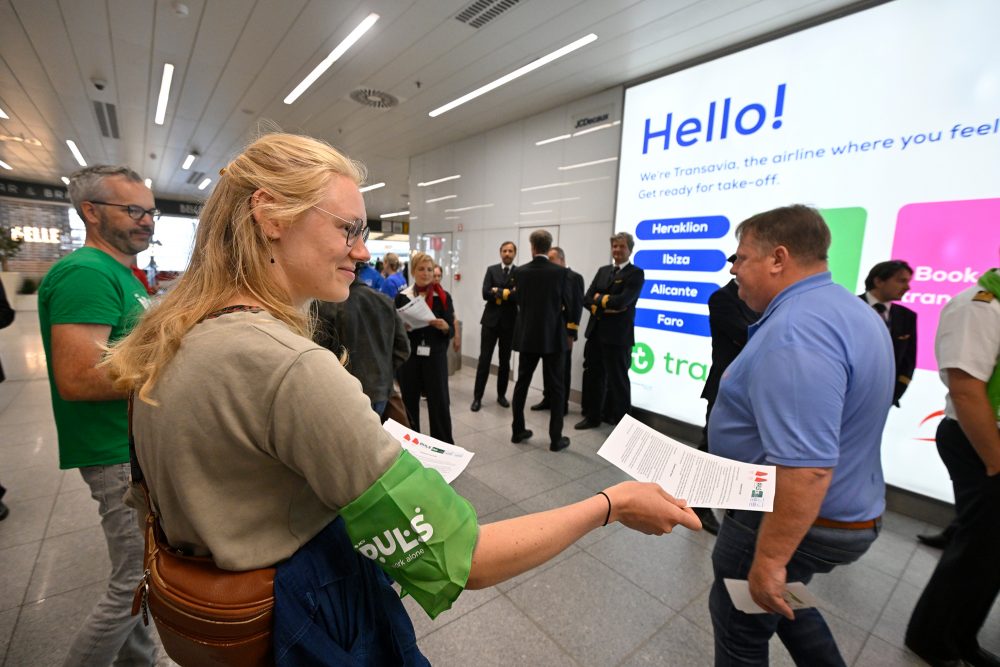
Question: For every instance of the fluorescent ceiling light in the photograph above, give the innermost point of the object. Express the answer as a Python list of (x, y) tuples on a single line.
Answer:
[(552, 139), (596, 128), (4, 115), (564, 184), (161, 103), (467, 208), (6, 166), (334, 56), (440, 180), (373, 186), (519, 72), (452, 217), (535, 212), (64, 180), (393, 215), (554, 201), (586, 164), (76, 152), (149, 183), (189, 160), (204, 184), (431, 201), (578, 133)]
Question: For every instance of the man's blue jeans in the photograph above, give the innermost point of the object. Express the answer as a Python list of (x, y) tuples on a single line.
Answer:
[(742, 639)]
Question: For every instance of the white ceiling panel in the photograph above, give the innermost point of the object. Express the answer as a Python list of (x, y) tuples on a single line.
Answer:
[(236, 60)]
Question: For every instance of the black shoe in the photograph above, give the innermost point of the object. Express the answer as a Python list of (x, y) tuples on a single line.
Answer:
[(982, 658), (541, 405), (475, 405), (708, 521), (521, 436), (586, 423), (938, 662), (4, 511), (937, 541), (559, 445), (503, 402)]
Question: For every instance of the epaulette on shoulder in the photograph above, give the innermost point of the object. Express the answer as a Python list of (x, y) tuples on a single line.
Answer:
[(984, 296)]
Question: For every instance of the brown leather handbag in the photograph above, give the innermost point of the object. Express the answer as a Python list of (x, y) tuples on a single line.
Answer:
[(204, 615)]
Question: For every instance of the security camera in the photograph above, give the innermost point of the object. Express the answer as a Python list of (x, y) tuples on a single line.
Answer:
[(99, 83)]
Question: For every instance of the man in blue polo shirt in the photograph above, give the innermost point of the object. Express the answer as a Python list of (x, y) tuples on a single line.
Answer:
[(809, 393)]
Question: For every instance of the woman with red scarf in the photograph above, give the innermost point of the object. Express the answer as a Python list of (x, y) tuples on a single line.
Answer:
[(426, 370)]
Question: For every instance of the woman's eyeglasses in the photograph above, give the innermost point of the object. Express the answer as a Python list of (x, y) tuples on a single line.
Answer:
[(135, 212), (354, 228)]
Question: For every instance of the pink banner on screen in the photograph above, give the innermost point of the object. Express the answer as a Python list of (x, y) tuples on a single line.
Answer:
[(949, 244)]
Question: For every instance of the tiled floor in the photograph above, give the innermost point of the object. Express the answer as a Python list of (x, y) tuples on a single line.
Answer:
[(615, 598)]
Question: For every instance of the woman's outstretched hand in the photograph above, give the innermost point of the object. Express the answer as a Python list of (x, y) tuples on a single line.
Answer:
[(646, 507)]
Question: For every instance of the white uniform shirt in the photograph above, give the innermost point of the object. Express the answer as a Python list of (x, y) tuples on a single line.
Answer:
[(968, 338)]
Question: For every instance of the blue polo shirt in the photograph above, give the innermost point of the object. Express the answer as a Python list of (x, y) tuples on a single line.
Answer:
[(812, 388)]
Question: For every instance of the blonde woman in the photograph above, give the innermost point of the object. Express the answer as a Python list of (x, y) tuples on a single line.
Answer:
[(260, 449), (426, 371)]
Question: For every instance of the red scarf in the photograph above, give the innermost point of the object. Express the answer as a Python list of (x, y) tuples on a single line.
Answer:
[(432, 289)]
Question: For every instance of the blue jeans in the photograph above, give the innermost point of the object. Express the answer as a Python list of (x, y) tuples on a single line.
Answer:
[(742, 639), (111, 634), (333, 606)]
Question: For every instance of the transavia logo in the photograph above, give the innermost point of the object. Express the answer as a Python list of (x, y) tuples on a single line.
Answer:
[(642, 358), (391, 541)]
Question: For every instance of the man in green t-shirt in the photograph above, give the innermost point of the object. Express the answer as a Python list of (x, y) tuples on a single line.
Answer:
[(88, 299)]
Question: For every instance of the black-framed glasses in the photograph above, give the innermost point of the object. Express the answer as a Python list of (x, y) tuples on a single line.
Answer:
[(135, 212), (354, 228)]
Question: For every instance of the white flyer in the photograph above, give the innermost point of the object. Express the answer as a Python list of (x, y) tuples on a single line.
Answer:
[(701, 479), (796, 595), (417, 314), (449, 460)]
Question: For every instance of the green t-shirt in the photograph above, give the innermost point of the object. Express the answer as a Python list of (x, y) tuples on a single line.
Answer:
[(89, 286)]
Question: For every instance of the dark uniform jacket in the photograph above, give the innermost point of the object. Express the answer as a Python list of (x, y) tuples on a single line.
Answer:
[(728, 317), (903, 331), (575, 312), (6, 318), (612, 319), (500, 310), (543, 298)]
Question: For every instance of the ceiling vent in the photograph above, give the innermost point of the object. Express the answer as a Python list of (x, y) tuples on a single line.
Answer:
[(376, 99), (107, 118), (196, 177), (481, 12)]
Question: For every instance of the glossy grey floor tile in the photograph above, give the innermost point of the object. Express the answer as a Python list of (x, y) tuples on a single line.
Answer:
[(614, 598)]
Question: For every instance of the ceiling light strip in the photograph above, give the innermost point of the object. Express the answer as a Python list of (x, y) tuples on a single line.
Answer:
[(431, 201), (519, 72), (76, 153), (161, 103), (553, 139), (554, 201), (6, 166), (373, 186), (334, 56), (467, 208), (204, 184), (189, 160), (3, 115), (564, 184), (587, 164), (394, 215), (439, 180)]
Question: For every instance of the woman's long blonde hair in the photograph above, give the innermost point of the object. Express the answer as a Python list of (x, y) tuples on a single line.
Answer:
[(231, 252)]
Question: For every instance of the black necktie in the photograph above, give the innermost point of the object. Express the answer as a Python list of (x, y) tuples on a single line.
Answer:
[(881, 310), (506, 273), (614, 271)]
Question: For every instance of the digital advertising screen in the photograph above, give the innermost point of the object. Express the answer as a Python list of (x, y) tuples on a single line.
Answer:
[(887, 121)]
